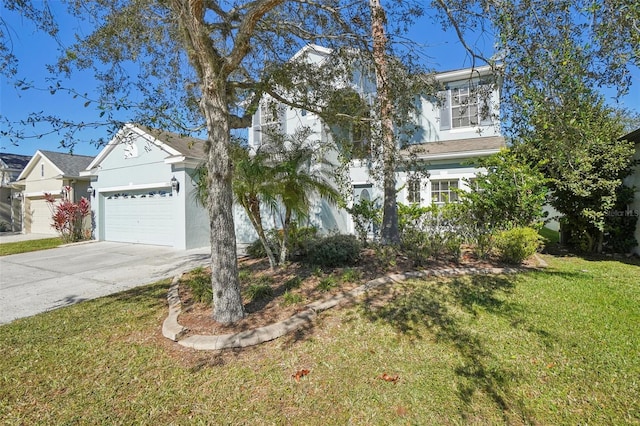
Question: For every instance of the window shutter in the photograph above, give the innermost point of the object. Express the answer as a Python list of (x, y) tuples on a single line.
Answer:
[(445, 110)]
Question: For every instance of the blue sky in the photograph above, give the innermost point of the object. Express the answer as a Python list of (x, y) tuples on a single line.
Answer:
[(441, 50)]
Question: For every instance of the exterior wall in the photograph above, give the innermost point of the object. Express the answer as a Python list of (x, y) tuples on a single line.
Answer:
[(196, 218), (143, 168), (43, 178), (634, 181)]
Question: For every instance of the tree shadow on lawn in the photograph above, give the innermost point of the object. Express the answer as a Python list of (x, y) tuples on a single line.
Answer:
[(439, 308)]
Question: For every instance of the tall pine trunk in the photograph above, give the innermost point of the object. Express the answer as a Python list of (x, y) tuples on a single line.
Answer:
[(390, 233)]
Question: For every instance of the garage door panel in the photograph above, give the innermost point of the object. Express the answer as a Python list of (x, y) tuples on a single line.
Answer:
[(144, 220), (40, 217)]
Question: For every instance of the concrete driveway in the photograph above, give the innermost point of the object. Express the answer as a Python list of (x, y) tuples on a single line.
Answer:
[(35, 282)]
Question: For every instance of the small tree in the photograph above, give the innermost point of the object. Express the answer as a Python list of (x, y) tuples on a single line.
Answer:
[(509, 194), (68, 218)]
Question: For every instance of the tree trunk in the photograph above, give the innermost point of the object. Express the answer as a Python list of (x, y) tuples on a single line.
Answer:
[(253, 211), (390, 233), (285, 237), (227, 300)]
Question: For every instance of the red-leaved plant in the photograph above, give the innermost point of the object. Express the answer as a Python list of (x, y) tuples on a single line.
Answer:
[(68, 218)]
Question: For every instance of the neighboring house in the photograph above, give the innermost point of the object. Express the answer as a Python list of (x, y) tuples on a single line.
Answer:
[(52, 173), (459, 125), (634, 182), (143, 191), (11, 165)]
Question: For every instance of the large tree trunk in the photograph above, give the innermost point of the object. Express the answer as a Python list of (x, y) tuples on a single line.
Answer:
[(227, 300), (390, 233)]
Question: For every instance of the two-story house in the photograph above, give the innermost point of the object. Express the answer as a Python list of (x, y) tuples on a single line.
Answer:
[(454, 127)]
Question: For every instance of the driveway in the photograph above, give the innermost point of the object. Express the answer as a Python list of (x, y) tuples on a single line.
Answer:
[(40, 281)]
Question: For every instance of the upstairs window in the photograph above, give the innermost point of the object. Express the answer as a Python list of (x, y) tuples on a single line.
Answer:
[(270, 119), (465, 106)]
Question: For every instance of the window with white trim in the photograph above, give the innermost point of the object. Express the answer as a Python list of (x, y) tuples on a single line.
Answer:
[(465, 106), (269, 119), (413, 190), (444, 191)]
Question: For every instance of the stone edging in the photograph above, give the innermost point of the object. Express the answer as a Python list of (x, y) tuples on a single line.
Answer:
[(171, 329)]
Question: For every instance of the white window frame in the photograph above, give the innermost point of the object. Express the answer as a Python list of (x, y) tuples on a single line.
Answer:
[(437, 191), (414, 195), (465, 106)]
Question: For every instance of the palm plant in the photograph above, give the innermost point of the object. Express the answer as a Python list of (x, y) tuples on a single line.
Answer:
[(297, 180)]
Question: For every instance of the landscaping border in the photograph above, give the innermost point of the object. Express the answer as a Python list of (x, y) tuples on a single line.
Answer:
[(172, 329)]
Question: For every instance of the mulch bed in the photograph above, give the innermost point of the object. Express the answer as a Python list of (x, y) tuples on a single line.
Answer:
[(196, 317)]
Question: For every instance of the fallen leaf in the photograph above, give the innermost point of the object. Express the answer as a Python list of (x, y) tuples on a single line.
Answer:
[(388, 378), (299, 374)]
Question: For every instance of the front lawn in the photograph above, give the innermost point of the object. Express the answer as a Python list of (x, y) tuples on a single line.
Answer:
[(31, 245), (558, 346)]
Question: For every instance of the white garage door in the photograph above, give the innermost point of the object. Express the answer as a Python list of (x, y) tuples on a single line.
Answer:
[(140, 218), (39, 217)]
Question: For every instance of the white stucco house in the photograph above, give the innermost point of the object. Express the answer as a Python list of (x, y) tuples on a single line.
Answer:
[(459, 125), (142, 190), (54, 173)]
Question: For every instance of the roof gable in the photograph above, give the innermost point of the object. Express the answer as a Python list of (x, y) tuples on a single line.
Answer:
[(68, 165), (177, 146)]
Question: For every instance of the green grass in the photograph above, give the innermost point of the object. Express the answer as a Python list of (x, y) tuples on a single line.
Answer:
[(559, 346), (550, 236), (27, 246)]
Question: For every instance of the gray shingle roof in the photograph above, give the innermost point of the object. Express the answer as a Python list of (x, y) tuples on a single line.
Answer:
[(456, 146), (70, 164), (14, 161), (186, 145)]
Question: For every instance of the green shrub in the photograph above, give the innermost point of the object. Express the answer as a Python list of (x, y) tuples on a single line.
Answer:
[(258, 291), (200, 284), (327, 284), (335, 250), (517, 244), (291, 298), (257, 251), (300, 241), (292, 283)]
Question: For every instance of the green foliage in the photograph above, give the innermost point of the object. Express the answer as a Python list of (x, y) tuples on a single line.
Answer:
[(429, 232), (258, 292), (335, 250), (517, 244), (200, 284), (289, 298), (367, 218), (509, 194), (244, 275), (326, 284), (351, 275), (300, 240), (620, 223), (293, 283)]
